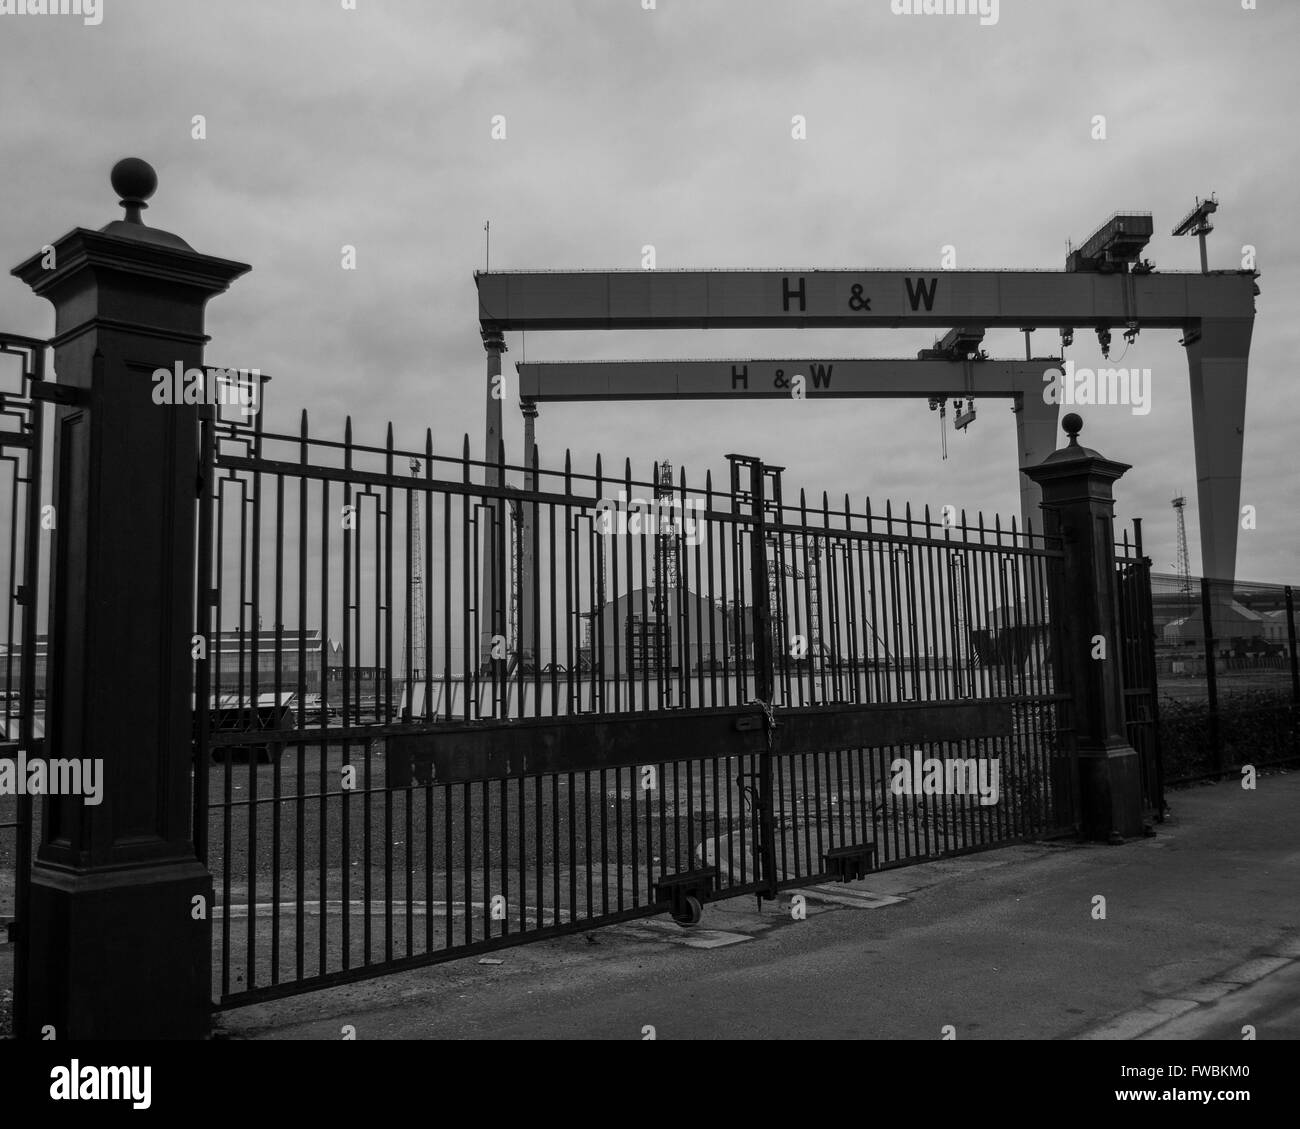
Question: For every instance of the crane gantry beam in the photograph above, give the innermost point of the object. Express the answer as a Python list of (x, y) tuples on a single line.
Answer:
[(748, 378), (1213, 310), (1022, 382), (848, 299)]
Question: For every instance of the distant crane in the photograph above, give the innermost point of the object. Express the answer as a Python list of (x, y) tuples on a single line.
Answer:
[(516, 575), (1197, 222), (665, 544), (415, 605), (793, 572), (418, 627), (664, 577)]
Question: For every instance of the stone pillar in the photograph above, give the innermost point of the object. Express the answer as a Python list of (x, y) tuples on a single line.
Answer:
[(121, 908), (1078, 507)]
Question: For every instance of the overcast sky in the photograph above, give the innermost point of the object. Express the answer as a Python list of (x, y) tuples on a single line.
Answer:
[(672, 127)]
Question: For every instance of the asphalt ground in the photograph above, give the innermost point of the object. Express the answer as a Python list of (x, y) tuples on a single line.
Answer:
[(1200, 940)]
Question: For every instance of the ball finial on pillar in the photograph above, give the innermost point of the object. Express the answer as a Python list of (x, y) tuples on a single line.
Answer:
[(134, 181), (1072, 424)]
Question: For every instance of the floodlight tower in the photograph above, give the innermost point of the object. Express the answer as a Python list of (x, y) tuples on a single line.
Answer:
[(1183, 567), (665, 543), (1197, 222)]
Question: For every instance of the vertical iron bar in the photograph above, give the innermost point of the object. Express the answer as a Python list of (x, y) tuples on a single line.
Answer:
[(763, 673), (1291, 646)]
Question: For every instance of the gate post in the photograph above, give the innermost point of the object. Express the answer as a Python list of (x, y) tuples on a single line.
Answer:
[(1078, 506), (120, 948), (764, 670)]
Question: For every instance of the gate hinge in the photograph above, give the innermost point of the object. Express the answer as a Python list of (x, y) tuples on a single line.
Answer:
[(11, 931), (65, 395)]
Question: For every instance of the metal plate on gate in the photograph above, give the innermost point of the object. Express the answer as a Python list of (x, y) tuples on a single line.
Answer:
[(492, 750), (814, 729)]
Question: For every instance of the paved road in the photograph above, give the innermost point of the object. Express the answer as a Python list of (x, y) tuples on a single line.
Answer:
[(1201, 936)]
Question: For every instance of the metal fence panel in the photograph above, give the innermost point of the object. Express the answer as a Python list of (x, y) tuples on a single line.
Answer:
[(447, 706)]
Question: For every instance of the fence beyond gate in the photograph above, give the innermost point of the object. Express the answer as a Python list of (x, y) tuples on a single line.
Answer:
[(1137, 657), (22, 385), (675, 694)]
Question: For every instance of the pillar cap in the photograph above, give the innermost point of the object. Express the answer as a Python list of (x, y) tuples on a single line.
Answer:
[(135, 180), (128, 247), (1072, 424), (1074, 458)]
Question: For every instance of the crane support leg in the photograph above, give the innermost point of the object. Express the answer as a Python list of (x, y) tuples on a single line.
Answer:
[(1036, 434), (1217, 362)]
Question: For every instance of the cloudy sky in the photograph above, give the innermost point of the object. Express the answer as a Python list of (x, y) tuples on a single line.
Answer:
[(624, 127)]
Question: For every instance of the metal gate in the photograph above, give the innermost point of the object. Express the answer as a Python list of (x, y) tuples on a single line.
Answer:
[(1138, 663), (22, 385), (444, 707)]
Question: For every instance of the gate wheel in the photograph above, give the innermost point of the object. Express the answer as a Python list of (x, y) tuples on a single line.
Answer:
[(691, 912)]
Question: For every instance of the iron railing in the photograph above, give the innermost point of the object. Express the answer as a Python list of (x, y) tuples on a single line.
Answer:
[(21, 467), (595, 725)]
